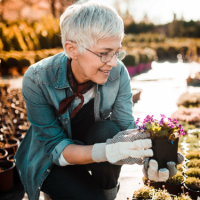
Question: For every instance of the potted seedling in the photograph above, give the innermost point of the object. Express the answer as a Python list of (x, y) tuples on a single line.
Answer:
[(145, 192), (193, 172), (184, 197), (193, 155), (195, 163), (192, 185), (164, 134), (162, 195), (174, 184)]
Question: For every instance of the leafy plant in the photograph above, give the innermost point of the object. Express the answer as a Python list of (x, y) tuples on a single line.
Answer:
[(179, 168), (177, 179), (193, 183), (184, 197), (162, 195), (193, 155), (145, 192), (166, 128), (193, 172), (193, 163)]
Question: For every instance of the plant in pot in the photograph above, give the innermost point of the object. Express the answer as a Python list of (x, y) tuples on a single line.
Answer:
[(183, 197), (145, 192), (162, 195), (173, 184), (164, 134), (193, 172), (192, 185), (194, 163), (193, 155)]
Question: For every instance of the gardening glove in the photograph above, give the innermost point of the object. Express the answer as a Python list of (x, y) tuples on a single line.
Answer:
[(150, 169), (127, 147)]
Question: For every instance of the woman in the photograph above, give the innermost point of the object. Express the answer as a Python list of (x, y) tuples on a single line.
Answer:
[(79, 104)]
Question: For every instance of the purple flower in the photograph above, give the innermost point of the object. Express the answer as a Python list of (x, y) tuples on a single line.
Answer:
[(180, 126), (175, 121), (169, 119), (163, 116), (139, 128)]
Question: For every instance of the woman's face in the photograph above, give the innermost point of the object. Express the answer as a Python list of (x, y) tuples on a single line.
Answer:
[(88, 66)]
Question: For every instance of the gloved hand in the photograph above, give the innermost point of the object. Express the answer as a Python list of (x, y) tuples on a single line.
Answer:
[(127, 147), (150, 169)]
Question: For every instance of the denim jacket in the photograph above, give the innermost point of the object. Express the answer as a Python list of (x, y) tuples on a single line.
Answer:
[(44, 86)]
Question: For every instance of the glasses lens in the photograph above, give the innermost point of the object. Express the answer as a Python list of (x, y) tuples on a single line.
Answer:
[(121, 55), (107, 57)]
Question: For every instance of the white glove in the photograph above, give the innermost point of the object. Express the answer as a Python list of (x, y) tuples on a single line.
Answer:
[(127, 147), (150, 169)]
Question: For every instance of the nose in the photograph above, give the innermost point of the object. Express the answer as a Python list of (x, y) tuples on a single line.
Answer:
[(113, 61)]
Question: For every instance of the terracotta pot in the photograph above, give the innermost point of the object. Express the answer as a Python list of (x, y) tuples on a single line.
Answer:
[(164, 151), (4, 154), (17, 179), (174, 189), (13, 145), (6, 175), (192, 193)]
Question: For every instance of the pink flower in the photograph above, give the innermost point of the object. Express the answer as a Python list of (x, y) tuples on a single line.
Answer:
[(163, 116)]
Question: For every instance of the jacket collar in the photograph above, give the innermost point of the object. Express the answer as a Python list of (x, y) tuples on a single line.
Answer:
[(62, 74)]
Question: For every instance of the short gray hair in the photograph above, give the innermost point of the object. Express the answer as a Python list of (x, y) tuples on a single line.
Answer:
[(88, 22)]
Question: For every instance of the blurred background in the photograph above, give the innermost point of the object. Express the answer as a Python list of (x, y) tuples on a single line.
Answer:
[(163, 45)]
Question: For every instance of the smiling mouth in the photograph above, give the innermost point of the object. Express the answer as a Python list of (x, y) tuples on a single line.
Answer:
[(106, 72)]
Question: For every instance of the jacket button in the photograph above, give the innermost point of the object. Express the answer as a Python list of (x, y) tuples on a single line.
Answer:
[(48, 170)]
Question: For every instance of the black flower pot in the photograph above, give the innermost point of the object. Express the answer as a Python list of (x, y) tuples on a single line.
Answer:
[(174, 188), (192, 193), (164, 151)]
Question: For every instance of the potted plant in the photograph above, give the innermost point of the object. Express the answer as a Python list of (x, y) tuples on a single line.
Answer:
[(162, 195), (156, 185), (3, 154), (184, 197), (145, 192), (193, 172), (164, 134), (195, 163), (193, 155), (192, 185), (174, 184), (6, 175)]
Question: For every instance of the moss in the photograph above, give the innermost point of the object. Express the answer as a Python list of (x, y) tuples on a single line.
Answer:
[(145, 192), (193, 163), (193, 155), (193, 172)]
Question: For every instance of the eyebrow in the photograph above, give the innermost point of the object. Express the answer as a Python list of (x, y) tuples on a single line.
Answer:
[(109, 49)]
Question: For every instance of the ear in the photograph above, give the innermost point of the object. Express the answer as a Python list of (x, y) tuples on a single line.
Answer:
[(72, 49)]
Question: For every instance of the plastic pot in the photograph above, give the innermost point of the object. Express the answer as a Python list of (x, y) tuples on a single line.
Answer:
[(6, 175), (13, 145), (4, 154), (192, 193), (17, 179), (174, 189), (164, 151)]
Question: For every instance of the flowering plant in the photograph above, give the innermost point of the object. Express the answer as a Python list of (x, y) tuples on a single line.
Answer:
[(166, 128)]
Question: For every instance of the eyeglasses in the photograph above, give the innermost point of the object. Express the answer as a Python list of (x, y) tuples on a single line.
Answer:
[(106, 57)]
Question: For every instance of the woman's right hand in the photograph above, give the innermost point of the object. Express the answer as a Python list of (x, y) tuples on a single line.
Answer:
[(127, 147)]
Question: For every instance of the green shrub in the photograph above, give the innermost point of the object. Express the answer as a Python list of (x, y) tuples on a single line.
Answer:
[(129, 60), (193, 183), (177, 179), (193, 163), (193, 172)]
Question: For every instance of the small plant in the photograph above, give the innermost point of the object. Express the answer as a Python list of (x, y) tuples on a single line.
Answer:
[(166, 128), (179, 167), (193, 172), (162, 195), (184, 197), (193, 183), (145, 192), (193, 155), (177, 179), (195, 163)]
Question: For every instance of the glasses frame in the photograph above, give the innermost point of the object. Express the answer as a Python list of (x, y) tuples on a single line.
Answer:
[(102, 53)]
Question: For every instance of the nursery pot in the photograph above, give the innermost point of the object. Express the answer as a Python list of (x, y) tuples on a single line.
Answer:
[(4, 154), (174, 188), (10, 158), (164, 151), (12, 146), (156, 185), (192, 193), (6, 175)]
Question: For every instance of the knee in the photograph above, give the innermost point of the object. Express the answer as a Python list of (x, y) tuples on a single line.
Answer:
[(101, 131)]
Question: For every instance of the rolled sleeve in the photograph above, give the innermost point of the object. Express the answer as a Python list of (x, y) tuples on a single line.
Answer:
[(122, 113), (45, 124)]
